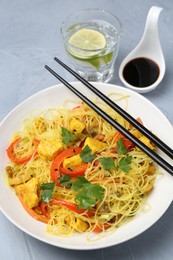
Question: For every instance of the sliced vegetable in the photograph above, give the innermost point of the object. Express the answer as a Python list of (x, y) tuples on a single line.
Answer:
[(128, 144), (55, 166), (76, 171), (71, 206), (101, 227), (31, 212), (139, 120), (13, 158)]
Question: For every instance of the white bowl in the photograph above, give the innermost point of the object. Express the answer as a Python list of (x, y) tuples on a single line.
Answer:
[(53, 97)]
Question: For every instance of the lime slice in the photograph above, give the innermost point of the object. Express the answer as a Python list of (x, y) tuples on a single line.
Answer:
[(87, 43)]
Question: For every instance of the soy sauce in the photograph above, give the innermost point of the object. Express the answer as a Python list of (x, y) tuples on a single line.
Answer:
[(141, 72)]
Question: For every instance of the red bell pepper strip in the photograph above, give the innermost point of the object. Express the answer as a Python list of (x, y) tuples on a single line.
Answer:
[(139, 120), (76, 171), (68, 205), (127, 143), (13, 158), (31, 212), (55, 166), (101, 227)]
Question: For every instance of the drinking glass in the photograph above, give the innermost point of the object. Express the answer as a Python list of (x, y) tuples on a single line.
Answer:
[(91, 39)]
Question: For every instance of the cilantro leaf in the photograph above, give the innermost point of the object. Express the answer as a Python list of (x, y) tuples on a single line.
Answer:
[(67, 135), (47, 188), (86, 154), (65, 180), (88, 193), (124, 163), (121, 147), (107, 162)]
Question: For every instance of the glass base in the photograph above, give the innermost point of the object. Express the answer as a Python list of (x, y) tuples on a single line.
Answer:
[(96, 76)]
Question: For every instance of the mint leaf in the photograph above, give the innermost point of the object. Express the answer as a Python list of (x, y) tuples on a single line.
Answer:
[(124, 163), (88, 193), (67, 135), (47, 188), (65, 180), (121, 147), (86, 154), (107, 162)]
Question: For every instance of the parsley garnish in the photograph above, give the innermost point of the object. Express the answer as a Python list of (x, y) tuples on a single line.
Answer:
[(66, 135), (124, 163), (121, 147), (107, 162), (47, 188), (88, 193), (65, 180), (86, 154)]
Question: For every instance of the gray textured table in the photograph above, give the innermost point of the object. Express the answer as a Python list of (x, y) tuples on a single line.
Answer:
[(29, 38)]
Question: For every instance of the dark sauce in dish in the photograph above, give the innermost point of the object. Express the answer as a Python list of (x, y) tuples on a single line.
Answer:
[(141, 72)]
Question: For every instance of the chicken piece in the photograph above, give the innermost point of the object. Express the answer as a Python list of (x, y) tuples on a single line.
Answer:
[(79, 225), (76, 126), (94, 145), (49, 148), (72, 162), (28, 191)]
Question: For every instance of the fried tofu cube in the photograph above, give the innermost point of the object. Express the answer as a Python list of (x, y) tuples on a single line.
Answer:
[(81, 225), (76, 160), (136, 133), (72, 162), (76, 125), (49, 148), (28, 191), (94, 145)]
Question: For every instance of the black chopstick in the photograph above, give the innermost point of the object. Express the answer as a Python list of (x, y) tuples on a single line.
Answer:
[(159, 143), (165, 165)]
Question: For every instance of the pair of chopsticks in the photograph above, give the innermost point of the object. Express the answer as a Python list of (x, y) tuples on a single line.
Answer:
[(159, 143)]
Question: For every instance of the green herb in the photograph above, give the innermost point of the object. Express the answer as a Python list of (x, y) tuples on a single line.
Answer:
[(121, 147), (86, 154), (65, 180), (107, 162), (88, 193), (47, 188), (67, 135), (124, 163)]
